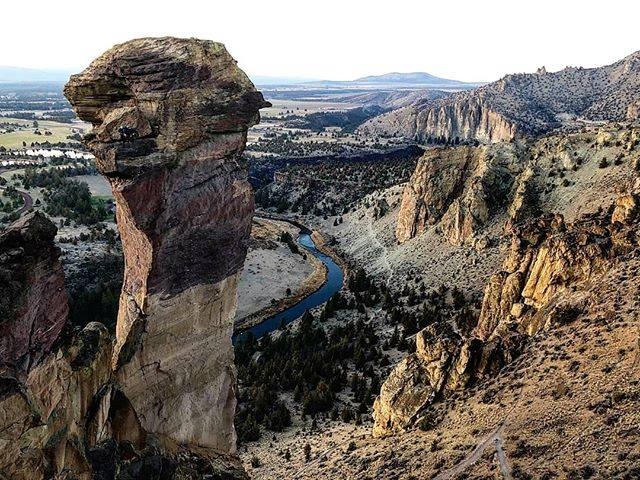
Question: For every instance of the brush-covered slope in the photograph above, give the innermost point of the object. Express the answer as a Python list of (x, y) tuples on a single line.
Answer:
[(520, 105)]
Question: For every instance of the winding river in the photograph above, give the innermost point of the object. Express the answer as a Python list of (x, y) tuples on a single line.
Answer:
[(332, 284)]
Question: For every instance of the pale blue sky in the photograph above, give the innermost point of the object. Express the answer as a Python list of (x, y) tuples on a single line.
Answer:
[(335, 39)]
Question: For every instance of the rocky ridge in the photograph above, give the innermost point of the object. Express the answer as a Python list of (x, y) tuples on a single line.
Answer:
[(520, 105), (468, 194), (548, 265), (170, 118)]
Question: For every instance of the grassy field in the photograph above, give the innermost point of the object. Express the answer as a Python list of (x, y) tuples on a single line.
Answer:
[(304, 107), (59, 132)]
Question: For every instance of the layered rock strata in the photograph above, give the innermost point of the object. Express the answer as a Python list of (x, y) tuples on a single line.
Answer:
[(547, 260), (170, 120), (519, 105), (457, 189)]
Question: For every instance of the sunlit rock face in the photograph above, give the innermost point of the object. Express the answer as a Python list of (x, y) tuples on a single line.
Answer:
[(542, 283), (170, 121), (457, 190)]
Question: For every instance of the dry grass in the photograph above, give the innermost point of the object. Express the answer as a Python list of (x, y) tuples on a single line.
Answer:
[(59, 132)]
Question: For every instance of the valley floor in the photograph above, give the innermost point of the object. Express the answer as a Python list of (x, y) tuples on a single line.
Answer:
[(272, 271)]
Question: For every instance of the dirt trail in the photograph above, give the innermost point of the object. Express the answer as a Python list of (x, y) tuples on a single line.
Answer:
[(502, 457), (493, 439), (26, 198)]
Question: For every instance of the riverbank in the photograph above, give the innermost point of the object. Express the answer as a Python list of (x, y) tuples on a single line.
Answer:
[(324, 282), (322, 244), (310, 285), (275, 277)]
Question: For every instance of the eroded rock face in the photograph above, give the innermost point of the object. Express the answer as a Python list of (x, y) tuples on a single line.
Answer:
[(442, 363), (546, 257), (464, 117), (542, 284), (627, 209), (472, 194), (33, 300), (519, 105), (457, 189), (170, 120)]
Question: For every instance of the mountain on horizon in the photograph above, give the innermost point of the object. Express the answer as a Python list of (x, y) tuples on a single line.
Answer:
[(392, 80), (411, 78)]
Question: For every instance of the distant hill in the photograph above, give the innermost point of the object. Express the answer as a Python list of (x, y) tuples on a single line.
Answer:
[(521, 105), (396, 80), (413, 78), (18, 74)]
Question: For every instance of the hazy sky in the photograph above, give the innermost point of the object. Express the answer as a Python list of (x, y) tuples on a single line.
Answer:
[(335, 39)]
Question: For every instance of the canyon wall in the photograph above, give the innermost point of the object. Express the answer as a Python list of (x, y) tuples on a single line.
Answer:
[(462, 118), (542, 283), (519, 105), (470, 194), (458, 190)]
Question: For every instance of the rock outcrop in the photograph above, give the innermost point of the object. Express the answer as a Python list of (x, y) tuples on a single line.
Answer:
[(442, 363), (457, 189), (547, 260), (462, 117), (33, 300), (547, 257), (468, 194), (170, 121), (51, 379), (519, 105), (627, 209)]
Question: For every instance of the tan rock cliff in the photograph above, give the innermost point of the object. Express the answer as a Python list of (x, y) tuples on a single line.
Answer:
[(548, 265), (468, 193), (170, 120), (457, 189)]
